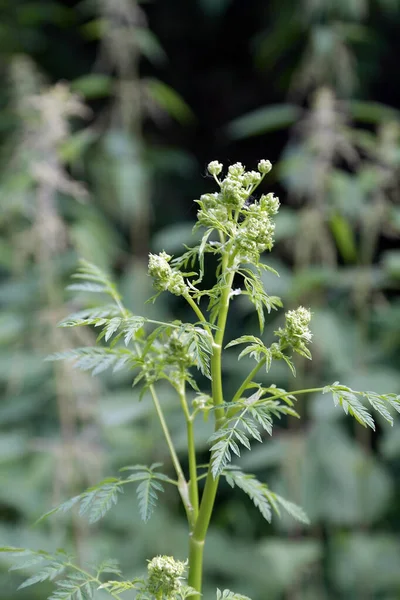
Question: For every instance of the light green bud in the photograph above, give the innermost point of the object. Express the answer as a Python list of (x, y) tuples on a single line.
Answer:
[(165, 574), (164, 278), (264, 166), (270, 203), (236, 170), (214, 167), (232, 193)]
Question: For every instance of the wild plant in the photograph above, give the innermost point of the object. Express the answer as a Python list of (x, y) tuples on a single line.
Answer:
[(238, 228)]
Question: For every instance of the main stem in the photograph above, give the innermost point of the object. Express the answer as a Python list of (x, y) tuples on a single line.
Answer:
[(197, 538)]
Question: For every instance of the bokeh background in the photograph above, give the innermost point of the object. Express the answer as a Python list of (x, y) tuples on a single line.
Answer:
[(109, 112)]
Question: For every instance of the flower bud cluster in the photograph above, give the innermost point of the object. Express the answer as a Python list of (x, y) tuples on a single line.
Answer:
[(296, 332), (164, 576), (177, 350), (256, 233), (220, 210), (212, 213), (164, 277)]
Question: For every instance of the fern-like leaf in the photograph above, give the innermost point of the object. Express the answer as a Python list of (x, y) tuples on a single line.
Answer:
[(253, 488), (349, 400), (292, 509), (96, 359), (147, 490), (98, 500), (93, 280), (200, 346), (228, 595), (75, 587), (262, 497)]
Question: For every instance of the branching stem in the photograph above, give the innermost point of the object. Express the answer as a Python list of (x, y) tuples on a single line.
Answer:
[(193, 482), (182, 483)]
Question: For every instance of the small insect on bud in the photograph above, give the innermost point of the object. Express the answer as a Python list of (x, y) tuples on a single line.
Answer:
[(214, 167), (264, 166)]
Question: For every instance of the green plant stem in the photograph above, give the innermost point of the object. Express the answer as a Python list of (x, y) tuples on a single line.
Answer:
[(198, 312), (197, 539), (182, 483), (232, 411), (216, 366), (193, 483), (248, 380)]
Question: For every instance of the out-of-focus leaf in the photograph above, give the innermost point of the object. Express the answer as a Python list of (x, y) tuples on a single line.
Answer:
[(344, 237), (94, 85), (149, 46), (288, 560), (12, 445), (353, 488), (372, 112), (368, 563), (35, 14), (271, 45), (76, 145), (263, 120), (172, 238), (95, 240), (286, 224), (168, 99), (391, 263)]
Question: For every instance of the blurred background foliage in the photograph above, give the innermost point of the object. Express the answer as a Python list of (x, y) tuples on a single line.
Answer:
[(109, 112)]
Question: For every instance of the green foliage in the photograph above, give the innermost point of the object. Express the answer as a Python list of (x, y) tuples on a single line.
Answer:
[(249, 415), (262, 497), (95, 502), (168, 351), (317, 67), (228, 595), (347, 398)]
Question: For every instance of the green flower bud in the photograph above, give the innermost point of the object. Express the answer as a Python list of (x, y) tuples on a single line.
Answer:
[(297, 323), (264, 166), (214, 167), (296, 333), (236, 170), (270, 203), (232, 193), (159, 267), (165, 576), (251, 178), (164, 278)]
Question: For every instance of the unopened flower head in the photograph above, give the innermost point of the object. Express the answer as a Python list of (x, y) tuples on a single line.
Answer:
[(297, 321), (165, 574), (296, 332), (233, 193), (264, 166), (177, 350), (251, 179), (214, 167), (236, 170), (269, 203), (164, 277)]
